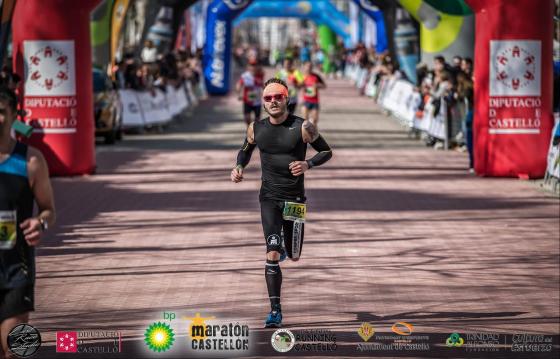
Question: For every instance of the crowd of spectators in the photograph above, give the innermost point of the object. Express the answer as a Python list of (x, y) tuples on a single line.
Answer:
[(151, 70), (442, 81)]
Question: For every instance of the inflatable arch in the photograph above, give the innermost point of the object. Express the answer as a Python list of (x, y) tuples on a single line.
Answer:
[(322, 12), (220, 17), (376, 15), (441, 33)]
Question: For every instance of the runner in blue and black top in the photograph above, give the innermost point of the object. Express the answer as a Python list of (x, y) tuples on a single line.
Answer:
[(282, 141), (24, 180)]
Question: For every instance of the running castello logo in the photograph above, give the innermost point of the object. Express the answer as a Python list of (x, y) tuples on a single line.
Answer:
[(50, 68), (515, 68)]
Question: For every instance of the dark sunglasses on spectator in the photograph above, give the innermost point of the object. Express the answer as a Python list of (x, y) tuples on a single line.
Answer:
[(277, 97)]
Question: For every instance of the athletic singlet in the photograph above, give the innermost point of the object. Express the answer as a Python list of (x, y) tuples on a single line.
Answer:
[(17, 265), (310, 92), (279, 145), (252, 88)]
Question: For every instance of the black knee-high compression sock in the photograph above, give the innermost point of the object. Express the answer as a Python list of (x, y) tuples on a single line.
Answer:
[(273, 276)]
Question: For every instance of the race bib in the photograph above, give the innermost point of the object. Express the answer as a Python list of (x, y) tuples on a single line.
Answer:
[(294, 211), (252, 96), (310, 91), (8, 232)]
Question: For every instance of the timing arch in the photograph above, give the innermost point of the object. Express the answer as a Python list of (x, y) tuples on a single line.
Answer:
[(220, 19)]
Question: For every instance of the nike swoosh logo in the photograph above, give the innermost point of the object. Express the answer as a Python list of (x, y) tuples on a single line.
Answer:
[(292, 128)]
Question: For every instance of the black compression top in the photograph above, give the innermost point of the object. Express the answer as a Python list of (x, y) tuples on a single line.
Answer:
[(279, 145)]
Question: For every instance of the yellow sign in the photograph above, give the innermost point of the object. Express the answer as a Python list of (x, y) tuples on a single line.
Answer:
[(366, 331)]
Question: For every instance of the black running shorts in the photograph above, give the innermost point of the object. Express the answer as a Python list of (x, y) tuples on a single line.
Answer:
[(16, 301), (273, 225)]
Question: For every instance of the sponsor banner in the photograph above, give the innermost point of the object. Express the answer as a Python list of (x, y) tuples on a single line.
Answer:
[(50, 68), (553, 163), (154, 107), (217, 51), (120, 8), (513, 88), (176, 99), (144, 108), (400, 100), (50, 86), (89, 341), (437, 123), (306, 340), (172, 101), (132, 111), (403, 339), (57, 80)]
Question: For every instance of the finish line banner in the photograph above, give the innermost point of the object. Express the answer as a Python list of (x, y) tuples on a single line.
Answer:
[(513, 87)]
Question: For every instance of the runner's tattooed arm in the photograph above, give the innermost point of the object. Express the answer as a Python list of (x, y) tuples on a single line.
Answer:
[(244, 155), (312, 136), (309, 132)]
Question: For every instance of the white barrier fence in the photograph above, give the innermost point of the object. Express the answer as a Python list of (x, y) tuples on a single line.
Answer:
[(400, 98), (150, 108), (403, 101), (553, 160)]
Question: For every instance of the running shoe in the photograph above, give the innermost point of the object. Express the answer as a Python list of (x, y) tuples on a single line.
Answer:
[(274, 319)]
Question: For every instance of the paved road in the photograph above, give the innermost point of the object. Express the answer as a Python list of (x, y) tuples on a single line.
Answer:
[(396, 232)]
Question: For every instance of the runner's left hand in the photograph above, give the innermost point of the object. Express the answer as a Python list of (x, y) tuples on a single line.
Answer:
[(298, 167), (31, 228)]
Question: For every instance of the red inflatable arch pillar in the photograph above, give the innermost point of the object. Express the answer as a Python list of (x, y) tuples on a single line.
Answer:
[(52, 53), (513, 87)]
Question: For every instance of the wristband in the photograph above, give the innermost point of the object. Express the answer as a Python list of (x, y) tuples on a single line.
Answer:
[(44, 224)]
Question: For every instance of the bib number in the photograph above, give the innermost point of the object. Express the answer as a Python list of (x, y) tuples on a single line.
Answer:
[(310, 91), (294, 211), (252, 96), (8, 230)]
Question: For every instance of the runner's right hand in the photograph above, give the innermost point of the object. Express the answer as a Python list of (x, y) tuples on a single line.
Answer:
[(237, 175)]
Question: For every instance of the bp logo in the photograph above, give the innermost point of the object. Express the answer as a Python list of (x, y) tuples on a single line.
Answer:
[(515, 68), (236, 4), (283, 340), (159, 337), (50, 68)]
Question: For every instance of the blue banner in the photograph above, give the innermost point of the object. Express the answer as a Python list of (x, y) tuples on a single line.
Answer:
[(373, 12), (217, 51), (322, 12)]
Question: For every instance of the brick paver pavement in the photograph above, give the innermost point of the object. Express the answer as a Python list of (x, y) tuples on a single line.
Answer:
[(396, 232)]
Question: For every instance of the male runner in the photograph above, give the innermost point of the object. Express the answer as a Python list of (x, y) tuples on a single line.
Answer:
[(312, 82), (294, 78), (24, 179), (249, 89), (282, 141)]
